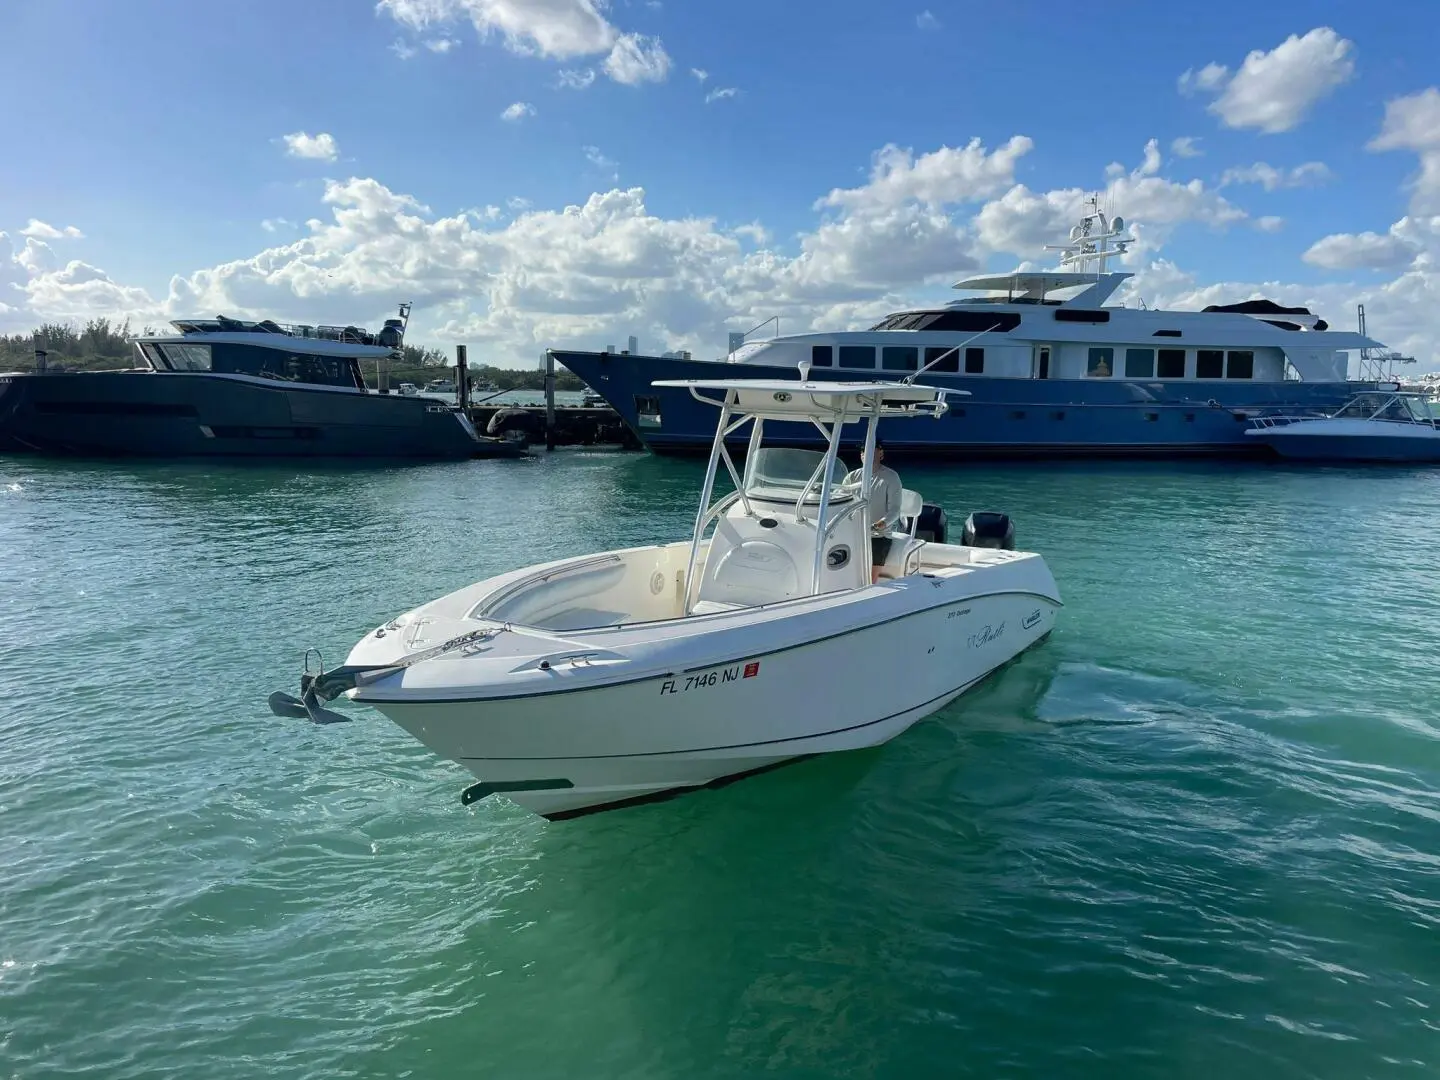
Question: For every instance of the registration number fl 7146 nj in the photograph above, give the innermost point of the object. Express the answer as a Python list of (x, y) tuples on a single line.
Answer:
[(705, 680)]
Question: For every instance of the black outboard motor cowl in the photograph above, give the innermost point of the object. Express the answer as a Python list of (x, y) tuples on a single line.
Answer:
[(932, 524), (989, 529)]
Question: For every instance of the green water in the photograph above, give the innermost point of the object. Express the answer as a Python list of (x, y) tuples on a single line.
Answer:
[(1194, 834)]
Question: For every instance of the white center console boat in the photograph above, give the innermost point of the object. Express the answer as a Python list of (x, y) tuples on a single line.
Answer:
[(608, 679)]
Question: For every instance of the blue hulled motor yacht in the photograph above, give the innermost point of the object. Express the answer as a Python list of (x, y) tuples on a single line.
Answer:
[(227, 388), (1049, 368)]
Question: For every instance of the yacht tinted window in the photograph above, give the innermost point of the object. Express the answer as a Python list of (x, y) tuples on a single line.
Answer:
[(1172, 364), (1241, 365), (1102, 363), (974, 361), (1209, 364), (1139, 363), (972, 322), (950, 361), (857, 356), (899, 357), (821, 356), (188, 357)]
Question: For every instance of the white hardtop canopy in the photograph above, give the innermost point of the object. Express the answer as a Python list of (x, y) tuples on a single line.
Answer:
[(783, 399)]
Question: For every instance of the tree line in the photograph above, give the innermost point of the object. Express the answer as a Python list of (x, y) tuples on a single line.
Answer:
[(103, 344)]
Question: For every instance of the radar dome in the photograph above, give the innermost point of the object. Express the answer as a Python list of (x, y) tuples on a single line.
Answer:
[(1119, 224)]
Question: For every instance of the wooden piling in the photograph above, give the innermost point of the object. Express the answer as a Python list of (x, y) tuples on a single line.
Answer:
[(549, 400)]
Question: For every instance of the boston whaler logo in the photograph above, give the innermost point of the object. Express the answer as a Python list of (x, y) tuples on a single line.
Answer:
[(1030, 620)]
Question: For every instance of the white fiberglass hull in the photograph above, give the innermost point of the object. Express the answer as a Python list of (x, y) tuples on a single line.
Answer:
[(670, 706)]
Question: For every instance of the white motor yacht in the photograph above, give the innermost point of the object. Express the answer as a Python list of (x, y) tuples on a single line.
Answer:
[(603, 680)]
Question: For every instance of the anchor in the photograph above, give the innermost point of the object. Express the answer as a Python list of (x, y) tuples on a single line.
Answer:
[(322, 685), (315, 688)]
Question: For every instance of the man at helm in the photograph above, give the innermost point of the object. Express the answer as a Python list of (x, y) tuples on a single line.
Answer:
[(885, 488)]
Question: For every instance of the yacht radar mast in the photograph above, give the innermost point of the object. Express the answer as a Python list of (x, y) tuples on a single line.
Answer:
[(1090, 240)]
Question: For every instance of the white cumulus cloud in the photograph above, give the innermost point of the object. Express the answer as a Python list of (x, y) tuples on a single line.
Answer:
[(1185, 146), (636, 59), (43, 231), (320, 147), (517, 112), (720, 94), (1363, 251), (554, 29), (1310, 174), (1273, 91), (1413, 123), (516, 278)]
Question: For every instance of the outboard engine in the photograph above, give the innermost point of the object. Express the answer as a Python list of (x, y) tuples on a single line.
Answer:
[(391, 335), (931, 525), (989, 529)]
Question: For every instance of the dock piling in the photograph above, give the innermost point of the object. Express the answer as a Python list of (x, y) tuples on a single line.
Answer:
[(462, 377), (549, 400)]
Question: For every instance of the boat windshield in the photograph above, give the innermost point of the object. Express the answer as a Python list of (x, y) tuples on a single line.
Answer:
[(1425, 410), (1362, 406), (782, 473)]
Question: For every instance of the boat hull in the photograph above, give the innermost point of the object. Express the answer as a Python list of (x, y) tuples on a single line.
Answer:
[(192, 414), (1001, 417), (1352, 440), (705, 719)]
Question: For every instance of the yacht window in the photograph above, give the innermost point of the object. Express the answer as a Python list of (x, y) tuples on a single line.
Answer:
[(1241, 365), (1092, 315), (1209, 364), (899, 357), (153, 357), (1139, 363), (1396, 410), (822, 356), (1171, 364), (1102, 363), (951, 355), (974, 361), (777, 472), (972, 322), (857, 356), (1166, 333), (187, 357)]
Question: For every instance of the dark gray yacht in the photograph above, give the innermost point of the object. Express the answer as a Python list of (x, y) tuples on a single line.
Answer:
[(226, 388)]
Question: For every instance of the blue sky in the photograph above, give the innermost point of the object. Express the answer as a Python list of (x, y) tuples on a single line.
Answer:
[(1308, 168)]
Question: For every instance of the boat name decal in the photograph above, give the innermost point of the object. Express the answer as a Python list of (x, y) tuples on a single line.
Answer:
[(957, 614), (703, 680), (985, 636), (1030, 620)]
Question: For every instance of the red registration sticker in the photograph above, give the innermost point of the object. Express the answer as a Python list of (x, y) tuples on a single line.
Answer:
[(752, 669)]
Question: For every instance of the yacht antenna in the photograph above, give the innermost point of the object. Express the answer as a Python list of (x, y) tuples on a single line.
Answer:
[(1090, 239)]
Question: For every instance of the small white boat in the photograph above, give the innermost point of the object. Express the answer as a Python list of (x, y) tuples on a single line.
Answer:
[(409, 389), (440, 386), (608, 679), (1372, 426)]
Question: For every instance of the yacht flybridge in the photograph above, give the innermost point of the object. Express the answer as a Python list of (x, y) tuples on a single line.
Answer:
[(1052, 364), (598, 681)]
